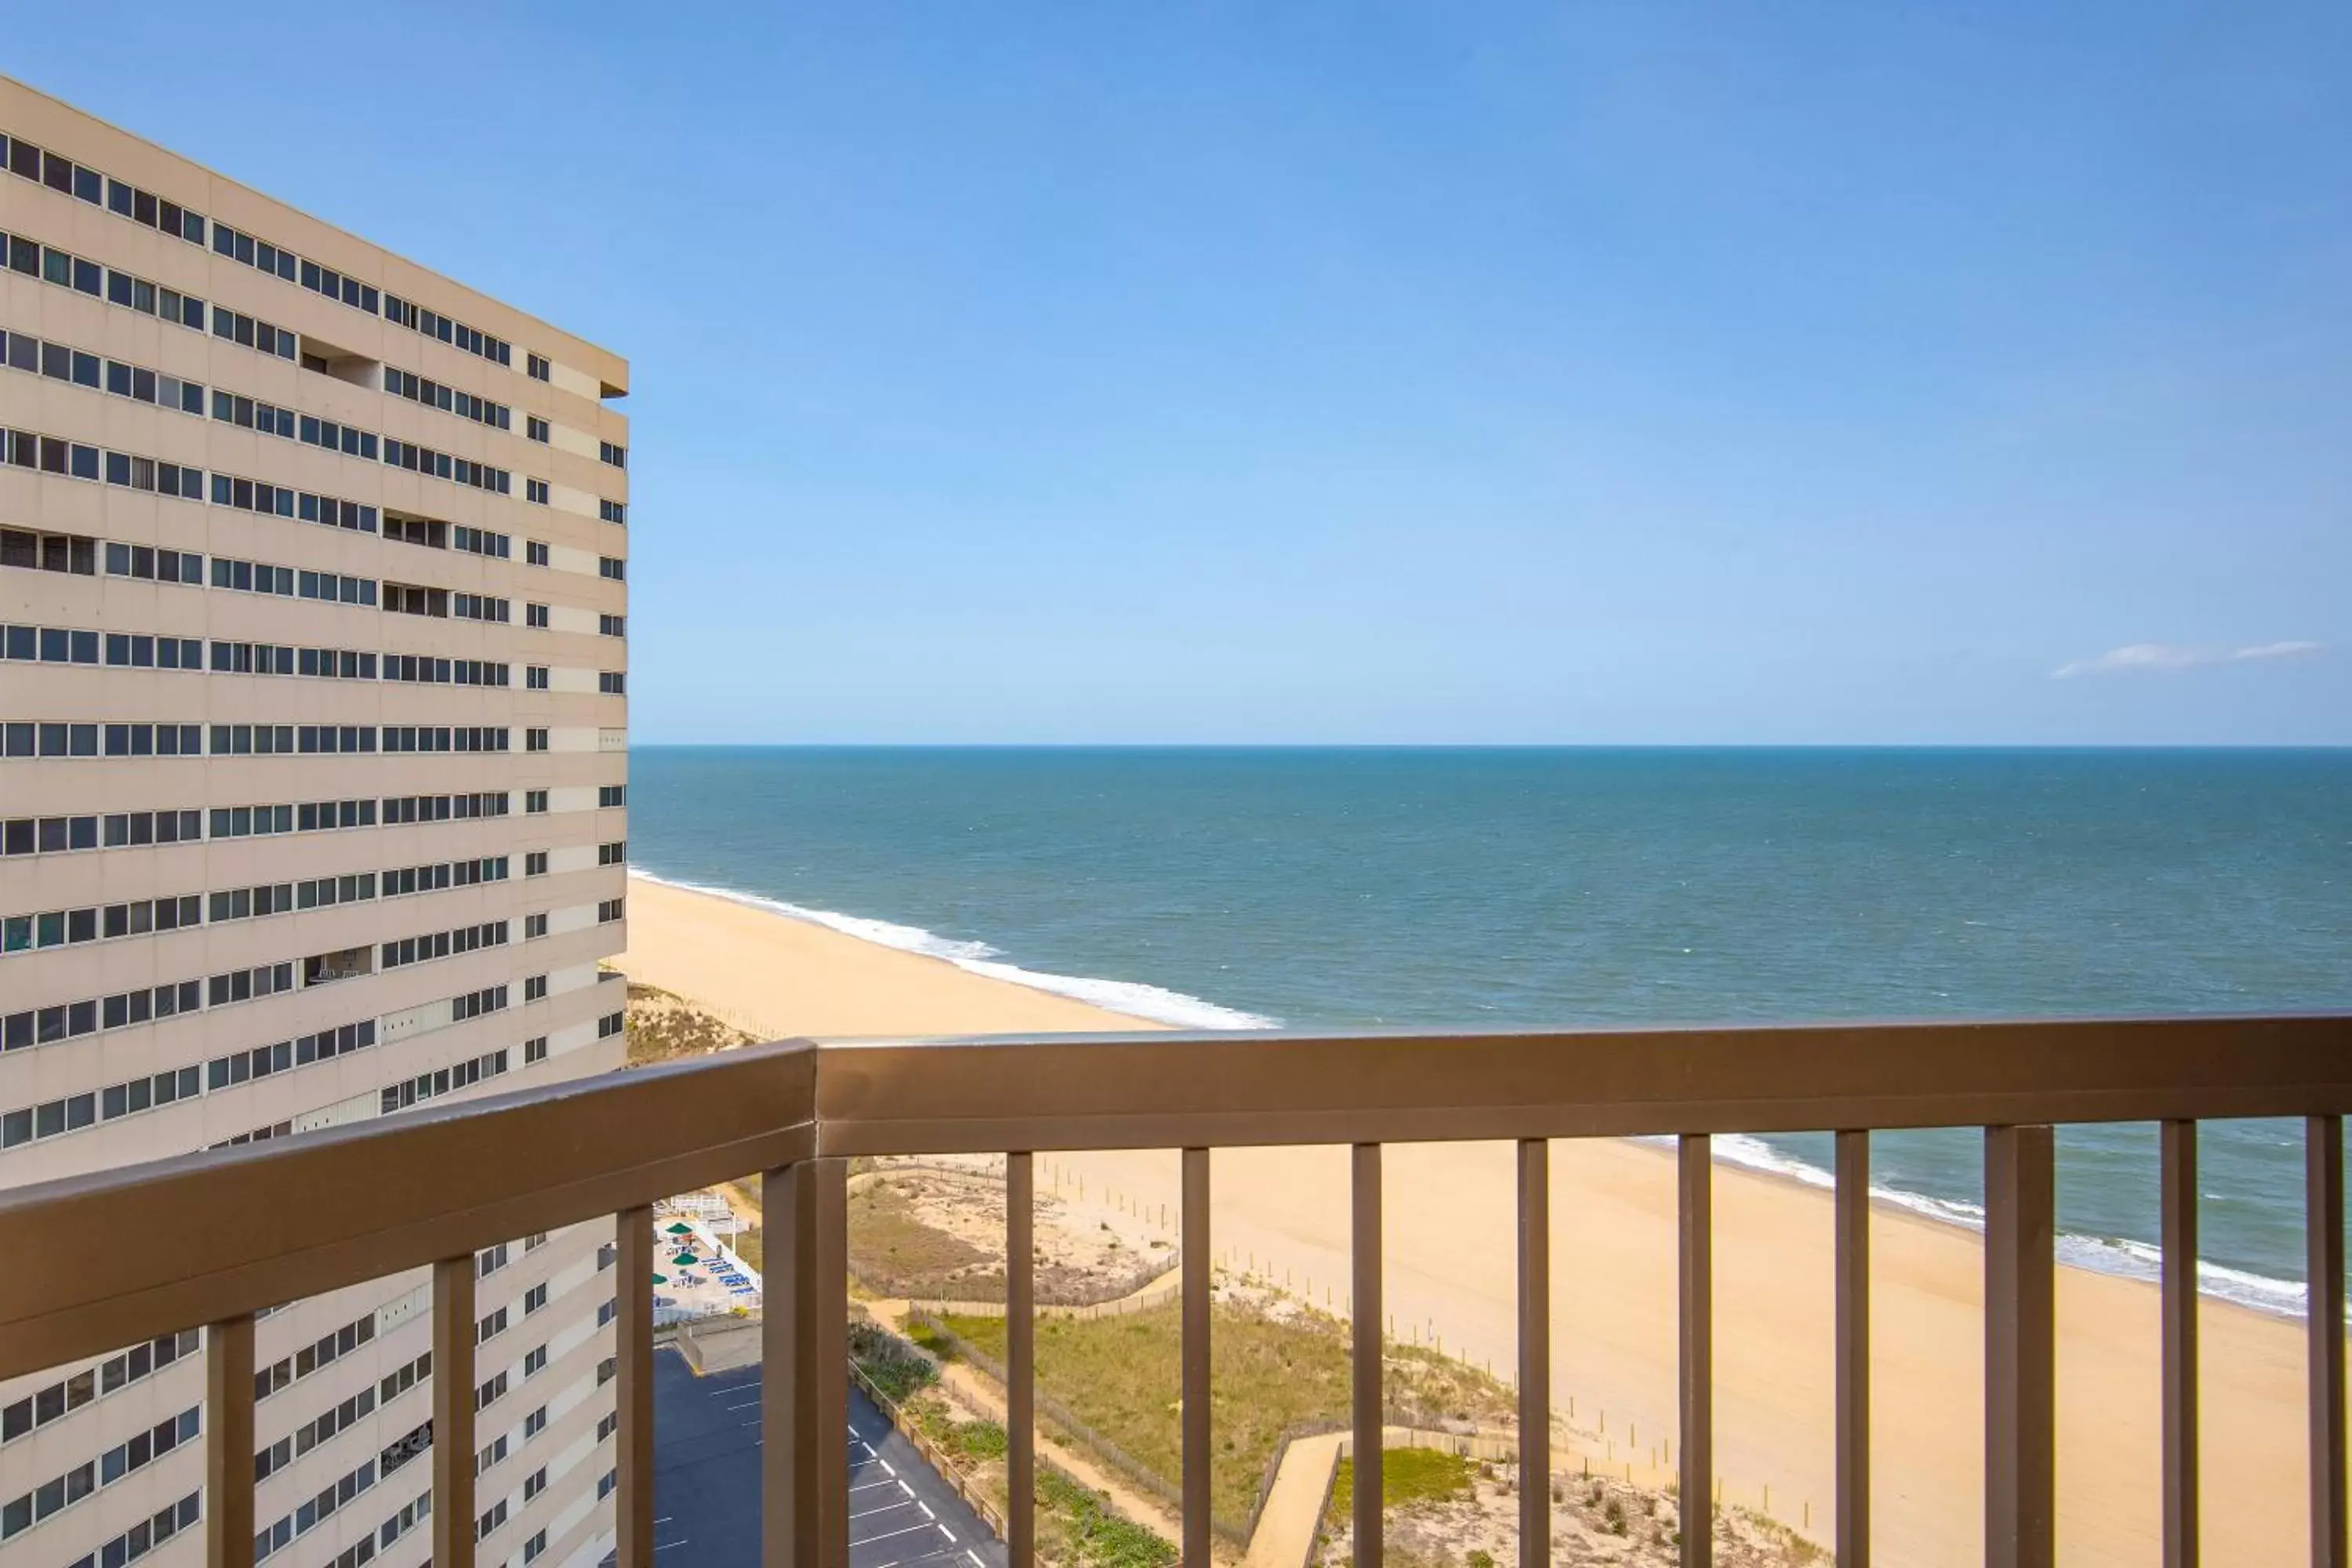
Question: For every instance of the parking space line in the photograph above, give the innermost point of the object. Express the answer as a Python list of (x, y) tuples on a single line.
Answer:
[(885, 1508), (891, 1536)]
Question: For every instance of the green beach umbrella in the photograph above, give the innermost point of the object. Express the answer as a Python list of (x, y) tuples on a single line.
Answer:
[(684, 1259), (681, 1229), (661, 1279)]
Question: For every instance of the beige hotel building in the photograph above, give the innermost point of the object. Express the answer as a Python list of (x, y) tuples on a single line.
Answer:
[(312, 809)]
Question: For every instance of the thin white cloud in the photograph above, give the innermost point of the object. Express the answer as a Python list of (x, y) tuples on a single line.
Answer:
[(2152, 655)]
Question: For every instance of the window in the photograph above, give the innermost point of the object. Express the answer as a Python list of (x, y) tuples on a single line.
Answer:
[(617, 853), (491, 1393), (534, 616), (535, 1297), (534, 1362), (612, 511), (456, 335), (612, 567), (536, 367), (489, 1521), (534, 801), (533, 928), (534, 676), (611, 795), (536, 428), (534, 988), (489, 1260), (535, 491), (495, 1452), (537, 1544), (534, 740), (534, 1423), (612, 910), (534, 553), (534, 864), (618, 456)]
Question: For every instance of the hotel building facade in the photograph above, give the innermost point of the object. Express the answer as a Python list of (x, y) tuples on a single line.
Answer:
[(312, 809)]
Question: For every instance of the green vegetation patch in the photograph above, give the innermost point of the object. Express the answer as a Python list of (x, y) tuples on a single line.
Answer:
[(1407, 1476), (1076, 1527), (1120, 1376)]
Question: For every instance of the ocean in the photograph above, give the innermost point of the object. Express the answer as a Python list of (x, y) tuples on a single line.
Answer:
[(1507, 888)]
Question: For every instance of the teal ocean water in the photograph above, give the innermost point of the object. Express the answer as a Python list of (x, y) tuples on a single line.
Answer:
[(1233, 889)]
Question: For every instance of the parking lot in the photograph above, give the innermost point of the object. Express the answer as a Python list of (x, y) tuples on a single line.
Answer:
[(707, 1482)]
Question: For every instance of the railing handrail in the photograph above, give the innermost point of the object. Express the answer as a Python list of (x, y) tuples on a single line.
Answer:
[(209, 1236)]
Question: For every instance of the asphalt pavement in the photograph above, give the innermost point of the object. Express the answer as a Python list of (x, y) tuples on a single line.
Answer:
[(707, 1482)]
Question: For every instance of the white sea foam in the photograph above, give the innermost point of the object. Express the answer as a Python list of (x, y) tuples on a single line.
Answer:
[(1132, 997), (2106, 1255)]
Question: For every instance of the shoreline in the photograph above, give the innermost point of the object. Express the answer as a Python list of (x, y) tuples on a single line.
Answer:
[(2114, 1257), (1449, 1265)]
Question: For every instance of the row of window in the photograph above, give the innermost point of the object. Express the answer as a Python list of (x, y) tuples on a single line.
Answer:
[(63, 1397), (61, 361), (452, 944), (73, 460), (42, 738), (34, 259), (32, 1026), (425, 460), (153, 1091), (425, 669), (78, 555), (65, 176), (434, 534), (130, 650), (456, 335), (446, 1080), (133, 829), (65, 928), (281, 262), (449, 399), (274, 1537), (317, 1356), (19, 1514), (261, 577), (43, 1026), (80, 180), (145, 1536), (320, 1428)]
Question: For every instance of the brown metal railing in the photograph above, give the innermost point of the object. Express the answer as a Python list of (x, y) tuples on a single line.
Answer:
[(214, 1237)]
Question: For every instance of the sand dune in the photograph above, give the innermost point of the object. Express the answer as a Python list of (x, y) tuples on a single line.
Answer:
[(1450, 1261)]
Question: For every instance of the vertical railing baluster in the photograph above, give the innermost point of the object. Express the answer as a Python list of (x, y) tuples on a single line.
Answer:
[(228, 1444), (1021, 1359), (1853, 1266), (2323, 1194), (1535, 1352), (1196, 1244), (804, 1390), (1695, 1170), (1371, 1398), (634, 1510), (2021, 1411), (2177, 1182), (453, 1413)]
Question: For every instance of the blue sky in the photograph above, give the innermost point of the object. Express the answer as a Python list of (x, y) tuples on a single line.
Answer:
[(1495, 372)]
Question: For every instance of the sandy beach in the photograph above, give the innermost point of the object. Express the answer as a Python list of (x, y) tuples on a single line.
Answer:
[(1451, 1261)]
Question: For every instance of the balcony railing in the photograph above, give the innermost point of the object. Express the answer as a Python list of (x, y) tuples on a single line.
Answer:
[(214, 1238)]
